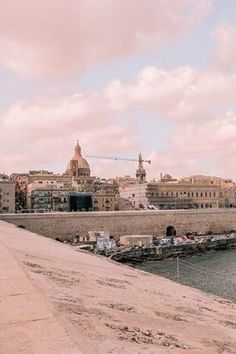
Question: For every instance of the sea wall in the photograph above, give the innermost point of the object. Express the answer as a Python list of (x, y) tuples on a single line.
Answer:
[(67, 225)]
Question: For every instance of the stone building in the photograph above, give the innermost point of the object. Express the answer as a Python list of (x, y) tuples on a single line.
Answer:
[(26, 183), (227, 195), (21, 182), (105, 200), (7, 195), (47, 195), (187, 193)]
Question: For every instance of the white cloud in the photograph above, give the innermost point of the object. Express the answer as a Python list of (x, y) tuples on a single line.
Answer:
[(44, 38)]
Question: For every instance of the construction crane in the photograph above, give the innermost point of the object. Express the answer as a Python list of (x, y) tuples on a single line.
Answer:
[(140, 173), (118, 158)]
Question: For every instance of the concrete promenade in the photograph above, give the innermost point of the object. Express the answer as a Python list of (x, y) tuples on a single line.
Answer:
[(27, 325), (54, 299)]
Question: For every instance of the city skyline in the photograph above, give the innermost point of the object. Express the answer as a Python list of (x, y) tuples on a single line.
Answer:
[(158, 80)]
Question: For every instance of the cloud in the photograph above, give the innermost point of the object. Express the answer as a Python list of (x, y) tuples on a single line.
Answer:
[(207, 148), (181, 94), (42, 132), (224, 56), (49, 38), (200, 104)]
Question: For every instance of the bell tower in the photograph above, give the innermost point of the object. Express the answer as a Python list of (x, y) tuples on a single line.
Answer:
[(140, 173)]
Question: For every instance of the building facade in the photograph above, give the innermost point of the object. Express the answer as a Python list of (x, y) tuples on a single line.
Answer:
[(47, 196), (7, 195), (187, 193), (30, 186)]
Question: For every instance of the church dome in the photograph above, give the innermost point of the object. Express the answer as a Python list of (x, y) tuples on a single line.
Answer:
[(78, 166), (167, 177)]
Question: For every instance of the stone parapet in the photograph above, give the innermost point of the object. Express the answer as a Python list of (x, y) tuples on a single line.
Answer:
[(67, 225)]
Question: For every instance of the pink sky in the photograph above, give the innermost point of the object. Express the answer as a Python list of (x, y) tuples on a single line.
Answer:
[(52, 48)]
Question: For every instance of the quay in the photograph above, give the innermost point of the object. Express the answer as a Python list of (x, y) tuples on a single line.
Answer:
[(137, 254)]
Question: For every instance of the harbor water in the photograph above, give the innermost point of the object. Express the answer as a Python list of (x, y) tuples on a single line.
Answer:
[(213, 272)]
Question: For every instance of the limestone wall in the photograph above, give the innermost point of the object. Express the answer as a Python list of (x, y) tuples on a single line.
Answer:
[(66, 225)]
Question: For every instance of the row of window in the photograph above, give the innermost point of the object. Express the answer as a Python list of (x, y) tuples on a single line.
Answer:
[(106, 200), (106, 208), (205, 205), (49, 200), (189, 194)]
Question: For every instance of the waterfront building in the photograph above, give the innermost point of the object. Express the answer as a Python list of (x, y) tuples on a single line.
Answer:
[(38, 184), (105, 200), (227, 195), (7, 195), (170, 193), (21, 182), (47, 195)]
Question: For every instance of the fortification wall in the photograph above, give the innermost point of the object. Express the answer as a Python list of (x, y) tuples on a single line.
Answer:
[(66, 225)]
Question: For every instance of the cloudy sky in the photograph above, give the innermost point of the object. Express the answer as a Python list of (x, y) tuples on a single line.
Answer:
[(122, 76)]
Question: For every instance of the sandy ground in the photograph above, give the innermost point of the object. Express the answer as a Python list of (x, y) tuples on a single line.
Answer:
[(54, 299)]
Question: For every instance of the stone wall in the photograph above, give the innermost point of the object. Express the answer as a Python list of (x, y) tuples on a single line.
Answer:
[(66, 225)]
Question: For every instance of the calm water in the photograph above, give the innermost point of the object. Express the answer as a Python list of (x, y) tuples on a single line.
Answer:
[(213, 272)]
